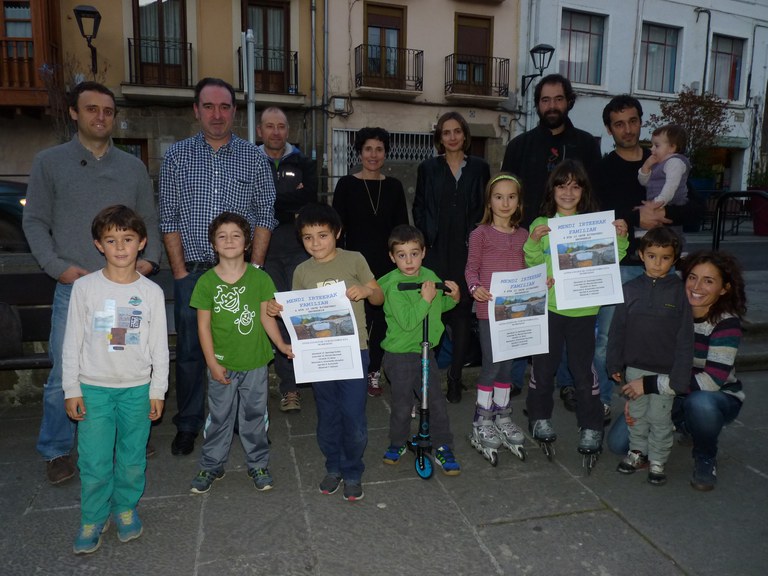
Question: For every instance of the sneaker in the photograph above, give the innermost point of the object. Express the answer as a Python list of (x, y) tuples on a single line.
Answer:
[(590, 440), (89, 538), (704, 474), (656, 475), (290, 402), (568, 396), (393, 453), (515, 391), (374, 385), (632, 462), (542, 430), (60, 470), (445, 460), (183, 443), (204, 479), (128, 526), (262, 479), (330, 484), (353, 491)]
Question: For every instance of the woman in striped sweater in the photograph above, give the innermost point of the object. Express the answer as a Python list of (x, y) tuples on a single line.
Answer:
[(714, 286)]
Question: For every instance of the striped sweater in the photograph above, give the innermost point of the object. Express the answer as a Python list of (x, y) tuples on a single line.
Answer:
[(714, 355)]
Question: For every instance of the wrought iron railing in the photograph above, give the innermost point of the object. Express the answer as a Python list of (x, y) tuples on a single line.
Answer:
[(394, 68), (276, 71), (160, 62), (477, 75)]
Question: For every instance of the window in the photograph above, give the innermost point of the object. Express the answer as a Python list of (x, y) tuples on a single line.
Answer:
[(725, 67), (384, 36), (581, 47), (269, 22), (473, 51), (16, 19), (658, 58), (160, 43)]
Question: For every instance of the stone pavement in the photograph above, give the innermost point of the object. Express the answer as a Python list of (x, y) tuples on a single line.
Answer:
[(533, 517)]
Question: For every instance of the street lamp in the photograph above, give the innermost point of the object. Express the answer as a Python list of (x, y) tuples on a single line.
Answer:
[(541, 54), (88, 20)]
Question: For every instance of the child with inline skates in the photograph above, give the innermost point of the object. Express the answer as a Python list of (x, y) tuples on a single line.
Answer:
[(405, 311), (495, 245), (568, 193)]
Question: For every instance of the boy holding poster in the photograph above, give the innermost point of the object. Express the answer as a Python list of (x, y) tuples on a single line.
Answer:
[(405, 311), (342, 428)]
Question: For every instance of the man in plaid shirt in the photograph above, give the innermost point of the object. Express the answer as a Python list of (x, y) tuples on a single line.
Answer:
[(212, 172)]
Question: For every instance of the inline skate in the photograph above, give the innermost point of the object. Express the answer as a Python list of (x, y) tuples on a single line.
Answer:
[(509, 433), (590, 447), (484, 438), (545, 435)]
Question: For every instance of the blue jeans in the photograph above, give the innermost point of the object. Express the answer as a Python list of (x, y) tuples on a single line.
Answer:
[(604, 319), (342, 427), (702, 414), (57, 431), (190, 362)]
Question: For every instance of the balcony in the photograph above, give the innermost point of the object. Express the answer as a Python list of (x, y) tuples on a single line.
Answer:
[(159, 69), (276, 77), (476, 79), (392, 73)]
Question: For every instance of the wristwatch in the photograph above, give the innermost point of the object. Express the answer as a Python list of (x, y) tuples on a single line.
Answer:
[(259, 266), (155, 267)]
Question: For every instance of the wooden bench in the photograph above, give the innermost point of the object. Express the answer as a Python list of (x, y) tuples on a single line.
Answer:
[(27, 318)]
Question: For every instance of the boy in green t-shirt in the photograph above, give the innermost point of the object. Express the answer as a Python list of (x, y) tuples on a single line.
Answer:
[(230, 299), (405, 311)]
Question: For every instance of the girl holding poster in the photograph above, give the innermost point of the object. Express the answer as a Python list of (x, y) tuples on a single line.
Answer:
[(568, 193), (496, 245)]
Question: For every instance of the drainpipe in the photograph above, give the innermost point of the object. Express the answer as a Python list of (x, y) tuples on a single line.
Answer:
[(313, 92), (325, 93), (698, 11)]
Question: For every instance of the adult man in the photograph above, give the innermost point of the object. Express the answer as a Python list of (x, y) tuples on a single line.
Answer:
[(534, 154), (618, 189), (296, 185), (201, 177), (68, 186)]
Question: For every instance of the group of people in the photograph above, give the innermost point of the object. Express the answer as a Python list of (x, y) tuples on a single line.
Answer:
[(241, 222)]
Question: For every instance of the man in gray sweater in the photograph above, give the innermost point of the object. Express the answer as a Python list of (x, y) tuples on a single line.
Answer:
[(68, 186)]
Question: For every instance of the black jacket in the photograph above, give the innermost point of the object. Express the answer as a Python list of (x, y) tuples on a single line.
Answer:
[(433, 178), (532, 156), (293, 170)]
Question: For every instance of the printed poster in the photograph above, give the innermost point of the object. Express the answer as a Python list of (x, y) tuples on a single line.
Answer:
[(517, 313), (585, 260), (323, 331)]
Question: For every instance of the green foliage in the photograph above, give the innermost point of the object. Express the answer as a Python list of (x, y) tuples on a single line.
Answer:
[(704, 117), (758, 178)]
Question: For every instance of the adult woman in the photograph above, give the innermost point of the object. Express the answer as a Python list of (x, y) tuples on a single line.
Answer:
[(447, 206), (371, 205), (714, 286)]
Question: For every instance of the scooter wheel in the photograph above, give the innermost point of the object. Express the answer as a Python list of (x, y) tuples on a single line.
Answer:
[(423, 467)]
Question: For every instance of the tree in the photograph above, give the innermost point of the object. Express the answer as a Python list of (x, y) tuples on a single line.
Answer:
[(704, 117)]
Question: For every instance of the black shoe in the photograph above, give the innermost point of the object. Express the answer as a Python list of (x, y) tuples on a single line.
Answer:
[(454, 390), (183, 443), (568, 396), (515, 391)]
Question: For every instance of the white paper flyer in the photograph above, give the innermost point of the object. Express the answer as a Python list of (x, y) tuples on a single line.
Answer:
[(323, 331)]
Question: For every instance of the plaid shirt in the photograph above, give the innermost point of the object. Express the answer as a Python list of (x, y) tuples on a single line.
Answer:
[(197, 183)]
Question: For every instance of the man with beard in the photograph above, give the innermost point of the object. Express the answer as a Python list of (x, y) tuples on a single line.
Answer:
[(534, 154)]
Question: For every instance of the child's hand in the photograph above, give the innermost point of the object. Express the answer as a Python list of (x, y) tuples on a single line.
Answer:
[(481, 294), (539, 232), (428, 290), (550, 281), (155, 409), (455, 293), (633, 389), (219, 373), (273, 308), (648, 164), (285, 349), (359, 292), (75, 408), (621, 227), (616, 377)]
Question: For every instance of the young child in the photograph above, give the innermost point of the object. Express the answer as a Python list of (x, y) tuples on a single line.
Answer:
[(495, 245), (231, 301), (665, 173), (652, 334), (115, 375), (568, 193), (342, 428), (405, 311)]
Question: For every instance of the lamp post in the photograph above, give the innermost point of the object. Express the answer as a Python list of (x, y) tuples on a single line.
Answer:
[(88, 20), (541, 54)]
